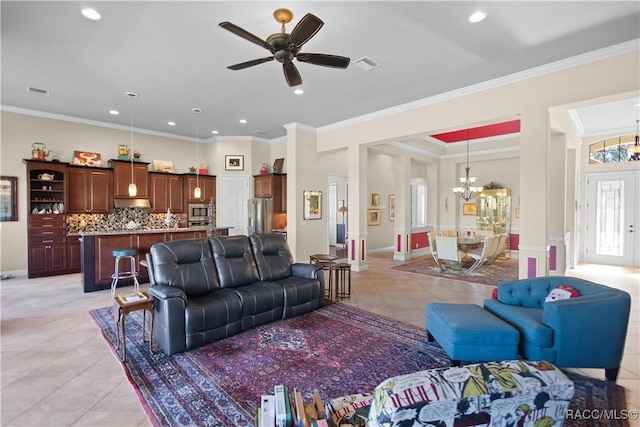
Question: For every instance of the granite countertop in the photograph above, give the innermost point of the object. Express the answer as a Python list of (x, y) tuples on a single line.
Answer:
[(144, 231)]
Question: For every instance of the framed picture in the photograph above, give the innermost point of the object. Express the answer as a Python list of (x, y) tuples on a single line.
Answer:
[(86, 158), (8, 198), (392, 207), (374, 200), (470, 209), (163, 166), (312, 208), (234, 163), (373, 216), (277, 166)]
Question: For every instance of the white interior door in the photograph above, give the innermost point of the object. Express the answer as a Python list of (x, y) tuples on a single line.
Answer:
[(333, 208), (612, 218), (234, 198)]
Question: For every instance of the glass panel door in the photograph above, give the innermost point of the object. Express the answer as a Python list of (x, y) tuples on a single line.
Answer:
[(612, 213)]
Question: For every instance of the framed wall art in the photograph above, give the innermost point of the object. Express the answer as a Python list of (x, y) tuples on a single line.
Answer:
[(392, 207), (312, 208), (470, 209), (234, 163), (374, 199), (373, 216), (8, 198)]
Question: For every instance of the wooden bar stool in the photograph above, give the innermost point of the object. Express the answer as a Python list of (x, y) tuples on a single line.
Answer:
[(117, 274), (343, 280)]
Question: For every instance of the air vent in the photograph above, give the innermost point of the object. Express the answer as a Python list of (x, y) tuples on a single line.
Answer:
[(258, 132), (38, 91), (367, 63)]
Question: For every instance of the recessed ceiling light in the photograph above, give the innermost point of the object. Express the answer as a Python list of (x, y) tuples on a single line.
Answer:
[(215, 132), (90, 13), (114, 112), (171, 123), (243, 121), (477, 16), (298, 91)]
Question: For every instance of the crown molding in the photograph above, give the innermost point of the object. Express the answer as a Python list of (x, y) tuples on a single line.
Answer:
[(563, 64)]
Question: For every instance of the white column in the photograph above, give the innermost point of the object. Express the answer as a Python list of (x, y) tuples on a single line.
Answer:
[(357, 238), (534, 185), (556, 196), (402, 226)]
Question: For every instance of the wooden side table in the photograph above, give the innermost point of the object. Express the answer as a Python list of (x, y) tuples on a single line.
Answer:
[(328, 264), (126, 306)]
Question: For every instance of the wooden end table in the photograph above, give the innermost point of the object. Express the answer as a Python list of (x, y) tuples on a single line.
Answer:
[(145, 303)]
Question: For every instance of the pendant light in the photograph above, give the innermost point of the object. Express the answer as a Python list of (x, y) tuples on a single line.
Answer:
[(133, 189), (197, 193), (467, 191)]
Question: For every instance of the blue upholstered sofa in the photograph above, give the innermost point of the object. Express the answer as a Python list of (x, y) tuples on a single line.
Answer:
[(587, 331)]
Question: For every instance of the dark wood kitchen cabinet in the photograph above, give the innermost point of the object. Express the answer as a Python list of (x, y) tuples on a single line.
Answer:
[(122, 178), (46, 222), (272, 186), (207, 188), (166, 191), (89, 190), (47, 255)]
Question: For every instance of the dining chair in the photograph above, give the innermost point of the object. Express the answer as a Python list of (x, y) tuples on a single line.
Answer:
[(483, 233), (433, 247), (501, 246), (448, 253), (488, 248), (448, 233)]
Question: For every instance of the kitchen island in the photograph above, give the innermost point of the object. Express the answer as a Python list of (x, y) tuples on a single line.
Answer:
[(96, 251)]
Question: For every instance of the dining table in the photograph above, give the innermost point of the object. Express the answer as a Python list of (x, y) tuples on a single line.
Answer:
[(467, 243)]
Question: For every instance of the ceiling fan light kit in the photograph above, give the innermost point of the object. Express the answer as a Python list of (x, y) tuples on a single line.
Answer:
[(286, 47)]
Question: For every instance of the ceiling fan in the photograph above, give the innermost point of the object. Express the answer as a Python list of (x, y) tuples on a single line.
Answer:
[(285, 47)]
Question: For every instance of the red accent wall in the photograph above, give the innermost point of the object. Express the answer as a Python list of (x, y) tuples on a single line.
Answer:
[(419, 239), (514, 241), (496, 129)]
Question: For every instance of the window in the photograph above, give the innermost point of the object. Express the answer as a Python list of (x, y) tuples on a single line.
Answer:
[(418, 205), (612, 150)]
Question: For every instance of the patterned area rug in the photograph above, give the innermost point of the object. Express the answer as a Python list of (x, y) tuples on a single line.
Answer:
[(489, 274), (337, 350)]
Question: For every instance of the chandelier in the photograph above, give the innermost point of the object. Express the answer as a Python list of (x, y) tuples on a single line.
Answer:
[(635, 149), (467, 190)]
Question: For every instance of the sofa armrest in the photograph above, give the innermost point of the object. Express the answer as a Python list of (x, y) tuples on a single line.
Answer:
[(169, 330), (308, 271), (588, 322), (165, 292)]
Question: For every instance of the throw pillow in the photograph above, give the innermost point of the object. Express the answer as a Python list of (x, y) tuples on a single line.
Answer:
[(494, 293), (562, 292)]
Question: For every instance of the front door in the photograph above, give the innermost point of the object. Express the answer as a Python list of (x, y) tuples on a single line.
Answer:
[(612, 218)]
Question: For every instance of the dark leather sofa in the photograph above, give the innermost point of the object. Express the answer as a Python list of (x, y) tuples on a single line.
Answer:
[(210, 289)]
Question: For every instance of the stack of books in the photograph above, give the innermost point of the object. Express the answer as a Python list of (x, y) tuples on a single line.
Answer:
[(287, 409)]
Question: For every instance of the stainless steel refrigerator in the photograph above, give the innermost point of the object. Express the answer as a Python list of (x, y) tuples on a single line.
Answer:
[(260, 216)]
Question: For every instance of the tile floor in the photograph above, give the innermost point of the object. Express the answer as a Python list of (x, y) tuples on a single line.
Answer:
[(56, 369)]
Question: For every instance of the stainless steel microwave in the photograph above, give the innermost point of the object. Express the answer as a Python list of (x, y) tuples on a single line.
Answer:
[(198, 212)]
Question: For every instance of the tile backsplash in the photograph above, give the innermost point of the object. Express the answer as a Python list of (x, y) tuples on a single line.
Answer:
[(120, 219)]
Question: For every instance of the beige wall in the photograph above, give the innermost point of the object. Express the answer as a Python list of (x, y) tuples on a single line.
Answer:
[(311, 155)]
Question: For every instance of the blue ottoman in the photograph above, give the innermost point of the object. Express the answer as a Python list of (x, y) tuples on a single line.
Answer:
[(468, 332)]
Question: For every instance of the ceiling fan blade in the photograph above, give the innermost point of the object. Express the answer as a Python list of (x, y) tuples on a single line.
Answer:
[(308, 26), (291, 74), (246, 35), (251, 63), (324, 60)]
